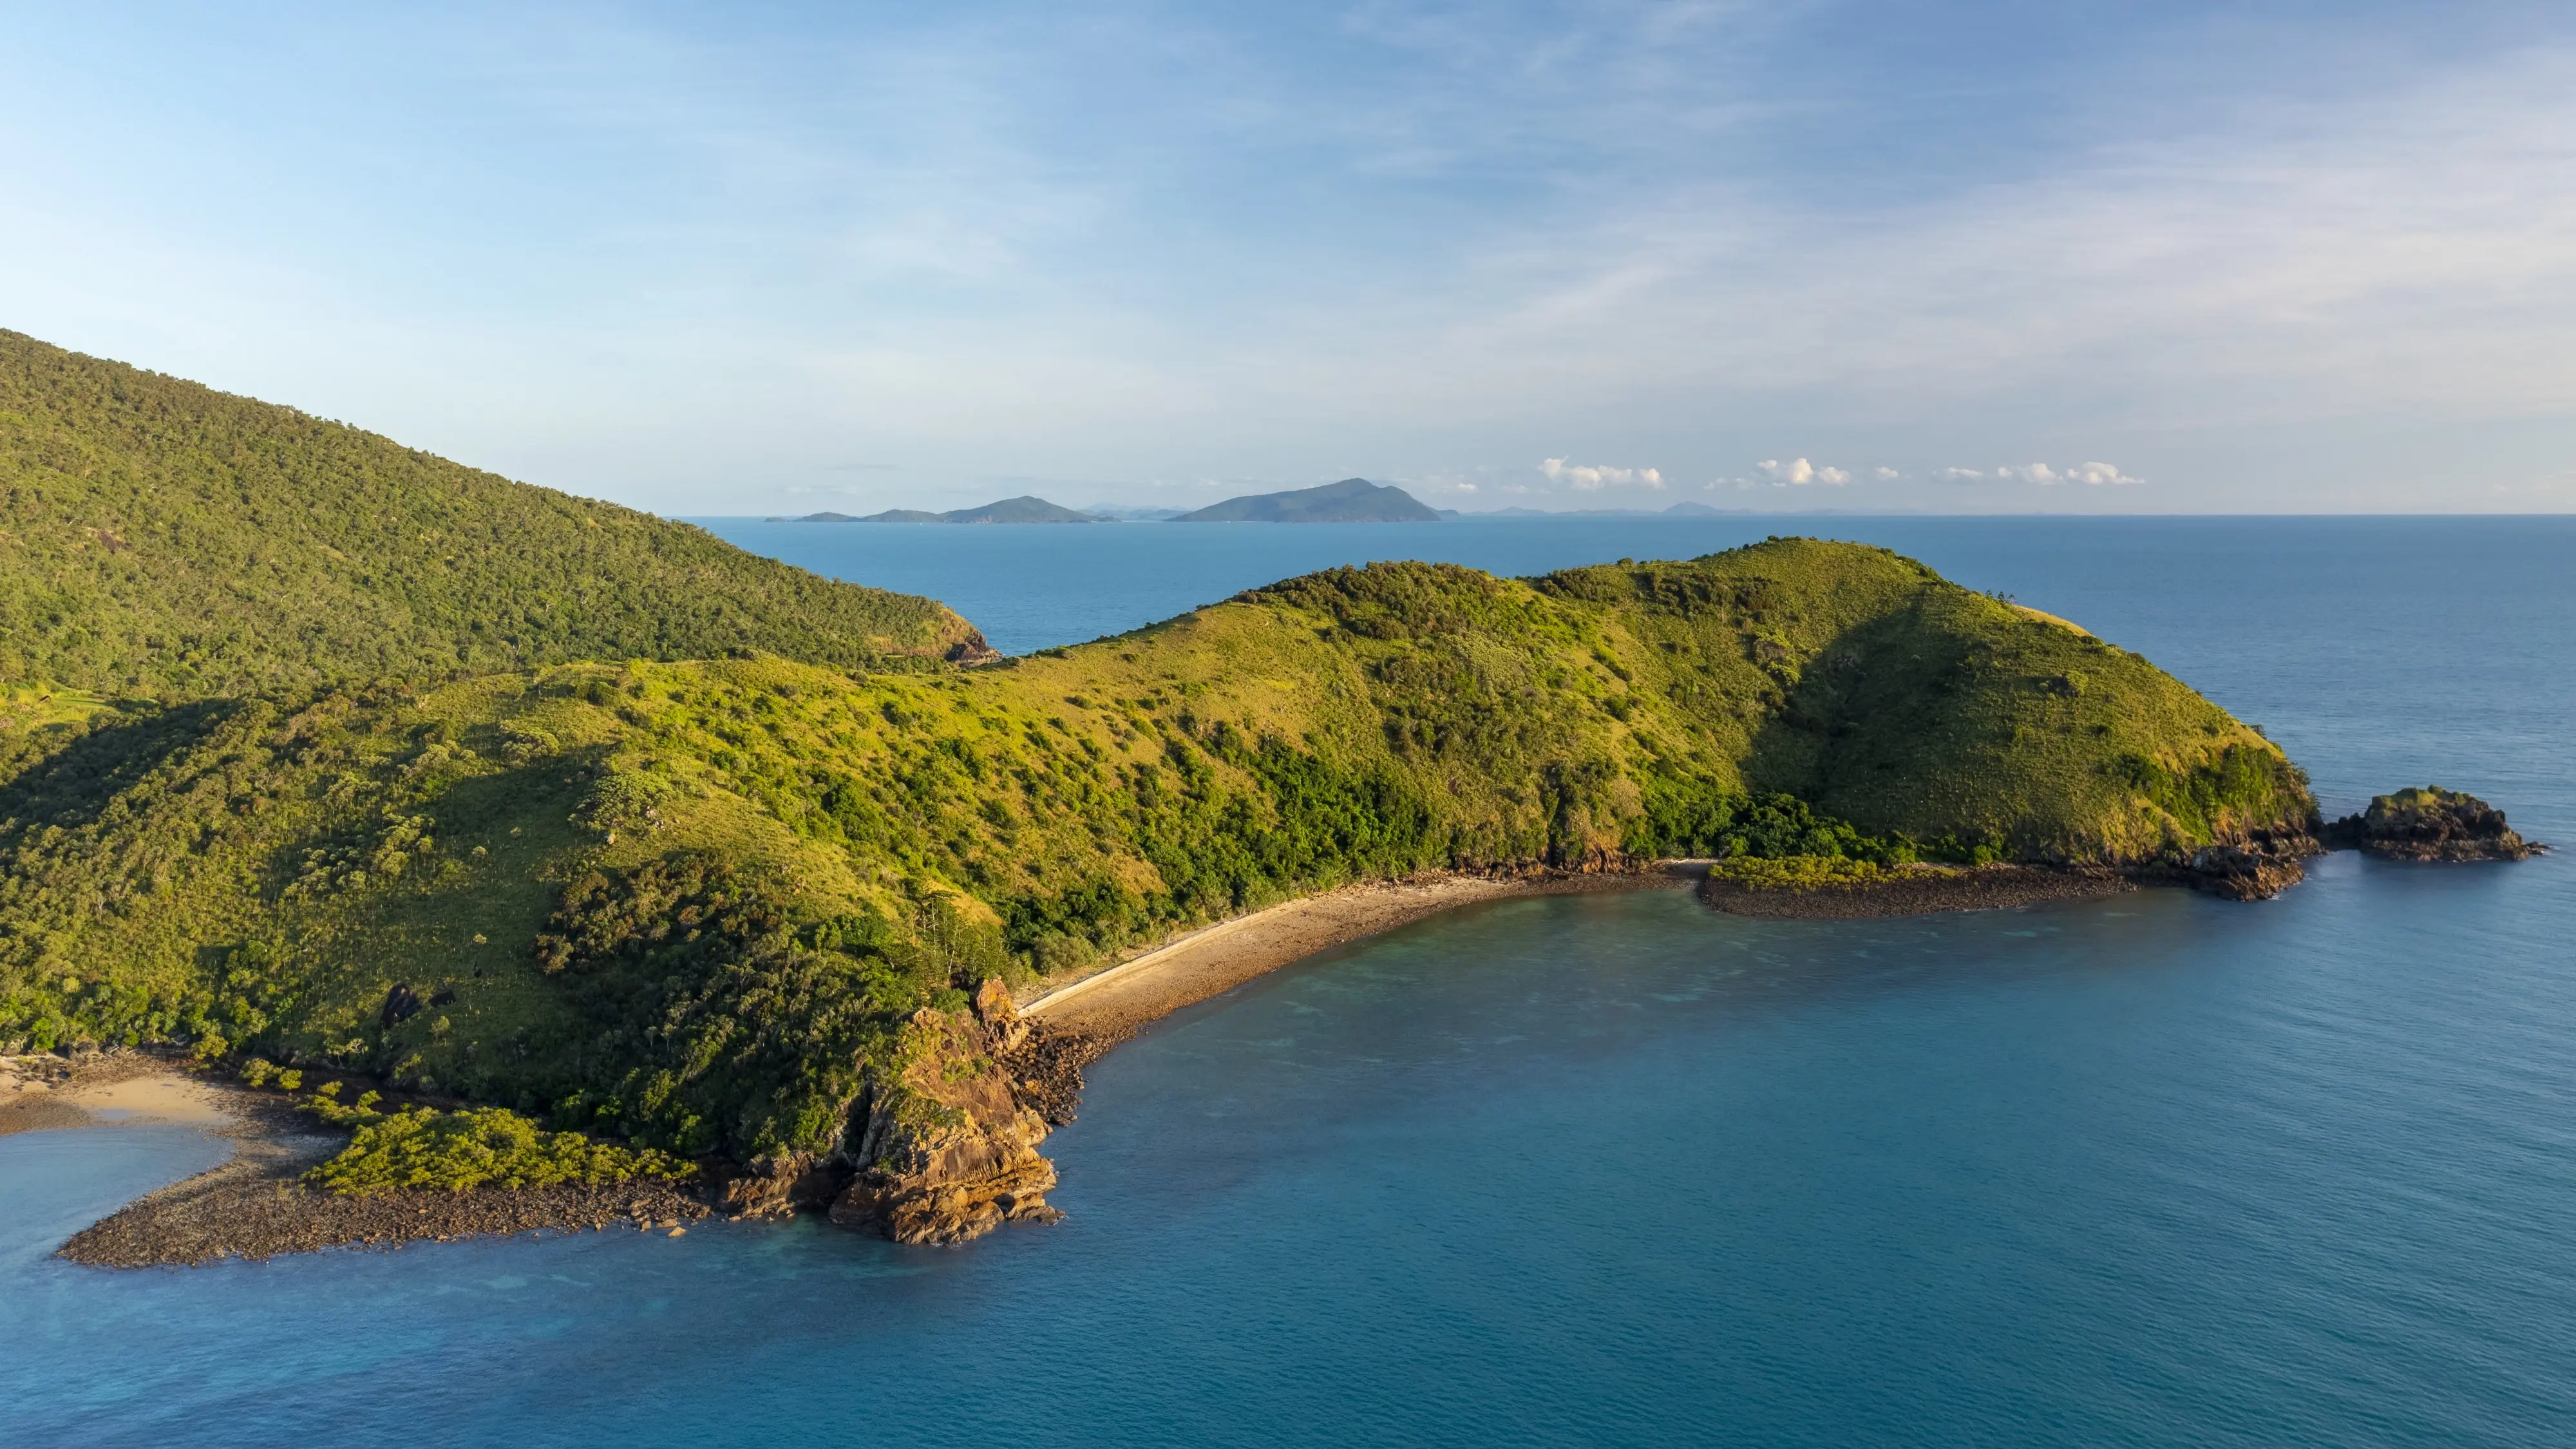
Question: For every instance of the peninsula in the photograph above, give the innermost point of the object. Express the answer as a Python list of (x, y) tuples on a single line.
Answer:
[(571, 885)]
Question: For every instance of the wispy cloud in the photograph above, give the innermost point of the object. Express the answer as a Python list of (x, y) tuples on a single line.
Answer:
[(1591, 478), (645, 252)]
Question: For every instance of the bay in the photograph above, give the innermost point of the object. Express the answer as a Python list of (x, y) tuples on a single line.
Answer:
[(2153, 1170)]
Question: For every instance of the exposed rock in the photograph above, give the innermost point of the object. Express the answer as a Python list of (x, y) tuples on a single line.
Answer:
[(948, 1151), (2430, 824), (775, 1187), (972, 652), (2255, 869), (401, 1005), (1045, 1066), (1000, 1015)]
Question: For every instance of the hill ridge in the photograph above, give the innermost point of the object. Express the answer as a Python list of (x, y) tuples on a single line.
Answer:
[(159, 536)]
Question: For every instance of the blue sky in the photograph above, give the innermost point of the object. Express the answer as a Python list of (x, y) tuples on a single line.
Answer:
[(1965, 257)]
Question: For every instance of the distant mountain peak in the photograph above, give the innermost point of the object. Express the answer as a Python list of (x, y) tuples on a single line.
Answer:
[(1027, 508), (1352, 500)]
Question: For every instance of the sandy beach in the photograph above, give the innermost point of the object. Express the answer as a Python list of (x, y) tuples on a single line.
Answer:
[(1111, 1004), (42, 1093)]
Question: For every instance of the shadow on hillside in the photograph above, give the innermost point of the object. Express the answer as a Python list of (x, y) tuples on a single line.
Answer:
[(1859, 713), (69, 786)]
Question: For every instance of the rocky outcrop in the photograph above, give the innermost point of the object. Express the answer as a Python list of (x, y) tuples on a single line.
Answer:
[(779, 1186), (2255, 869), (947, 1150), (972, 652), (2430, 824)]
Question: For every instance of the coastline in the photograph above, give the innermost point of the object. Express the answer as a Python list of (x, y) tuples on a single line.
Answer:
[(254, 1204), (1109, 1005), (1985, 888)]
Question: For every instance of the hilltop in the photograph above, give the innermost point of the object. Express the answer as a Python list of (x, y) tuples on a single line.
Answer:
[(1353, 500), (734, 907), (158, 537)]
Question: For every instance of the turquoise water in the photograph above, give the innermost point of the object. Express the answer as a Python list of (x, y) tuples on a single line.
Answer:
[(2158, 1170)]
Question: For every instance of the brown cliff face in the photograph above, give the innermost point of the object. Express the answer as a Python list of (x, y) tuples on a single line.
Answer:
[(2431, 824), (947, 1150), (777, 1187)]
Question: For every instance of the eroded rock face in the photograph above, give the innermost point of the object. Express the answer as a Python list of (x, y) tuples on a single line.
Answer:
[(947, 1151), (2431, 824), (776, 1187), (2250, 870)]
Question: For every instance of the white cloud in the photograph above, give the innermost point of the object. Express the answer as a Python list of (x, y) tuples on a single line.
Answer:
[(1590, 478), (1885, 475), (2031, 473), (1798, 473), (1959, 475), (2098, 473)]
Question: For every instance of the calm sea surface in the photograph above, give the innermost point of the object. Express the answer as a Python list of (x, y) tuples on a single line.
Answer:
[(2158, 1170)]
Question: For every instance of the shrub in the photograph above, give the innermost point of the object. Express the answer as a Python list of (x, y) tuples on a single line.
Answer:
[(477, 1147), (1797, 872)]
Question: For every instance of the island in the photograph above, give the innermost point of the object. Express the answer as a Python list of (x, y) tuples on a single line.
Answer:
[(1353, 500), (1027, 508), (523, 896)]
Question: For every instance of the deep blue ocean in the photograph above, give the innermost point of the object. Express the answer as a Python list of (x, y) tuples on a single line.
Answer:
[(2154, 1170)]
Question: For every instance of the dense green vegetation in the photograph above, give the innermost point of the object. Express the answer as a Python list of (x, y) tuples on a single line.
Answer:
[(698, 904), (160, 538), (422, 1147), (1799, 872)]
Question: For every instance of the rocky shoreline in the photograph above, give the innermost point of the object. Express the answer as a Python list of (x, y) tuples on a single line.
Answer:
[(255, 1204), (948, 1150), (1914, 893)]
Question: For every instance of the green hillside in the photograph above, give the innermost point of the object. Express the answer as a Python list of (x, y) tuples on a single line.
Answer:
[(158, 537), (696, 903)]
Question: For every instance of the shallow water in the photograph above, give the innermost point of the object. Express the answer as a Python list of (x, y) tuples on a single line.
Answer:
[(2148, 1170)]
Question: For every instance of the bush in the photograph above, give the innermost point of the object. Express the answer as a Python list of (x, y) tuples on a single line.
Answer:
[(1797, 872), (477, 1147)]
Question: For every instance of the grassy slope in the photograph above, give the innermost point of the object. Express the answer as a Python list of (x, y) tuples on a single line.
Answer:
[(162, 538), (771, 864)]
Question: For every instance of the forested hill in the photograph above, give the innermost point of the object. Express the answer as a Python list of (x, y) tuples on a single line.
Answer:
[(697, 903), (158, 537)]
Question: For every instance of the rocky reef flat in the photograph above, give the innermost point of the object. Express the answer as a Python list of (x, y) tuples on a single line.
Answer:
[(255, 1204)]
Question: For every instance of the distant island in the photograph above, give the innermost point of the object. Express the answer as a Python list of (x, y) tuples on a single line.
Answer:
[(1353, 500), (1027, 508)]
